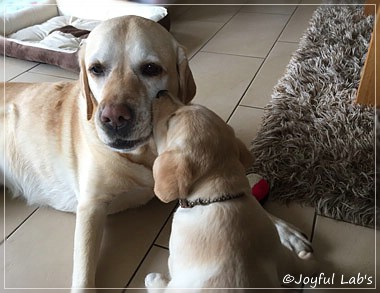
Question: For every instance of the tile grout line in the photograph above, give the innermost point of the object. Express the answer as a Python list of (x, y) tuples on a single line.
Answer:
[(58, 76), (41, 74), (235, 55), (26, 71), (52, 75), (269, 13), (229, 20), (148, 251), (22, 223), (261, 66), (200, 49), (246, 90), (252, 107), (160, 246), (238, 11), (313, 227), (288, 42)]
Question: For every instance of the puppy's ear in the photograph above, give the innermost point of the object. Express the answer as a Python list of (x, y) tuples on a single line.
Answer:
[(86, 92), (173, 176), (187, 86), (245, 156)]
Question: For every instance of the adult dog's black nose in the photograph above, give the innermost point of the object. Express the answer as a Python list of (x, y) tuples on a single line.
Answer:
[(116, 116)]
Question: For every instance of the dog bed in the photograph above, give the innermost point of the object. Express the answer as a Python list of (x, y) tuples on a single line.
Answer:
[(51, 31)]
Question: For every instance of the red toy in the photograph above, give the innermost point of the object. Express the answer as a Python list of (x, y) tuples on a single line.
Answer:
[(259, 187)]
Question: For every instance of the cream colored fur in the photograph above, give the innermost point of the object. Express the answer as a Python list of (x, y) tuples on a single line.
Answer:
[(230, 244), (56, 150)]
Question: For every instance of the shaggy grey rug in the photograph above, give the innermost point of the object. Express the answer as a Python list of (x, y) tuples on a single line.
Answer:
[(316, 146)]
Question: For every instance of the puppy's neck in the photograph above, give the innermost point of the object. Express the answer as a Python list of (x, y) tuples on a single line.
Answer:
[(218, 188), (164, 107), (184, 203)]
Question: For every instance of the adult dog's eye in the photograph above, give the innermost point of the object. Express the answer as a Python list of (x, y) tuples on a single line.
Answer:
[(97, 69), (151, 69)]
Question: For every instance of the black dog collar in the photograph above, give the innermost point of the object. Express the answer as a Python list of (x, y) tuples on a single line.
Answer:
[(184, 203)]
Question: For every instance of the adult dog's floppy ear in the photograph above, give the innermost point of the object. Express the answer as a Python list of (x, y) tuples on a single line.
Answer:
[(245, 156), (173, 176), (187, 86), (86, 92)]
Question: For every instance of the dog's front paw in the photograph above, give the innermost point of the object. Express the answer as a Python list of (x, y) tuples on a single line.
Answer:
[(293, 239), (155, 280)]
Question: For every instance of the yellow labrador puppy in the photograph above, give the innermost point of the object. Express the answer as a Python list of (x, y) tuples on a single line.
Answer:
[(85, 146), (221, 236)]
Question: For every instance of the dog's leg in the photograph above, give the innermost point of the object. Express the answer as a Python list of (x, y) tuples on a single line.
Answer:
[(291, 268), (292, 238), (155, 282), (90, 221)]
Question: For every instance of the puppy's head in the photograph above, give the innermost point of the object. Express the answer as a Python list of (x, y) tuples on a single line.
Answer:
[(164, 108), (171, 170), (197, 150), (124, 63)]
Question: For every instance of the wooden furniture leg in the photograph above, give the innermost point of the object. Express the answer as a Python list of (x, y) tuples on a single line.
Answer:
[(370, 79)]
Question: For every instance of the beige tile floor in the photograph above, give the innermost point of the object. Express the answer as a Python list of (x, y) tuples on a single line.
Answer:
[(237, 55)]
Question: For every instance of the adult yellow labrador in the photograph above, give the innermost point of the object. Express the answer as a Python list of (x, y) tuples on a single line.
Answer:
[(86, 146)]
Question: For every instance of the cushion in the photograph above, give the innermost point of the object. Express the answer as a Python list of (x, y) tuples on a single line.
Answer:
[(52, 33), (106, 9), (17, 14), (49, 34)]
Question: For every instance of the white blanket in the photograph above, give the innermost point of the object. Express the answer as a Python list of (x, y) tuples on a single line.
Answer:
[(33, 24)]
